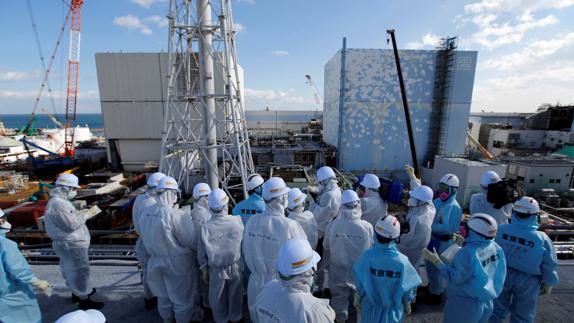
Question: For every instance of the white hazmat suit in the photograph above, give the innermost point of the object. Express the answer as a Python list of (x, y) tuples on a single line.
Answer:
[(346, 238), (200, 215), (168, 237), (220, 251), (373, 206), (307, 221), (326, 206), (142, 202), (262, 238), (70, 240), (479, 204)]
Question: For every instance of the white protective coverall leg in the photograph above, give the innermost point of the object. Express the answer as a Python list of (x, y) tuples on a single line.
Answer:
[(346, 238), (70, 240), (169, 238), (142, 202), (220, 253), (200, 215), (262, 238)]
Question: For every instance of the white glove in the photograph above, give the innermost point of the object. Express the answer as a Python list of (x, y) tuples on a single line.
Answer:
[(91, 212), (357, 302), (410, 171), (40, 284), (432, 257), (407, 308), (545, 289), (458, 239), (312, 189)]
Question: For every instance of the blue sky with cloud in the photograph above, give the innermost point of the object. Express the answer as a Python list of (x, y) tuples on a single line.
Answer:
[(526, 47)]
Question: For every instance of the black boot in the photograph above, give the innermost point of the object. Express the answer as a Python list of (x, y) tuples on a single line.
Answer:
[(150, 303), (88, 304), (76, 299)]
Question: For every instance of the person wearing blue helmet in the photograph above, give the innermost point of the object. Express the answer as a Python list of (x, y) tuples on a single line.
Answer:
[(531, 261), (445, 223), (254, 204), (476, 275), (17, 300), (385, 279)]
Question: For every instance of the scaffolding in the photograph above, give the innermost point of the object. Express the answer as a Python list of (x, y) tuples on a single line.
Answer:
[(444, 70), (204, 136)]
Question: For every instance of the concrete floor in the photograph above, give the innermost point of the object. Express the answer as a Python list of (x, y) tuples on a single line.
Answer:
[(120, 288)]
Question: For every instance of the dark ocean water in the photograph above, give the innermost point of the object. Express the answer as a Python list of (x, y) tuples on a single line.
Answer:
[(92, 120)]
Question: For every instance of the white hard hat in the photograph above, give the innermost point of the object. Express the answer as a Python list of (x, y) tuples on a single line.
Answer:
[(296, 197), (371, 181), (489, 177), (254, 181), (153, 179), (217, 199), (168, 183), (349, 196), (201, 189), (274, 187), (69, 180), (388, 227), (526, 205), (483, 224), (79, 316), (422, 193), (450, 180), (296, 257), (324, 173)]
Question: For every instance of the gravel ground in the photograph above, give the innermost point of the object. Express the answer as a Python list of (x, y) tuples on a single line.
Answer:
[(120, 288)]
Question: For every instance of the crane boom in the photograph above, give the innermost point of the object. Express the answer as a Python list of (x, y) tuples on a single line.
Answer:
[(73, 71)]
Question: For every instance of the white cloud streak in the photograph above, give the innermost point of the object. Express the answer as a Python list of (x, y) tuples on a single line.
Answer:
[(279, 53), (143, 25), (30, 95), (276, 99), (515, 5), (428, 40), (12, 76), (147, 3)]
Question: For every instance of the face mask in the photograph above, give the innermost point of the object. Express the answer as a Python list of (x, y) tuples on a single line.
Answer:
[(285, 201), (412, 202), (171, 198), (5, 227), (299, 208), (72, 194), (443, 196)]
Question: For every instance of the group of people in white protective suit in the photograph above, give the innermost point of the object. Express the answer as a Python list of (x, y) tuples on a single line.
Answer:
[(344, 248)]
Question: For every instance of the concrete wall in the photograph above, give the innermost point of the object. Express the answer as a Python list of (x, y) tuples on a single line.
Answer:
[(501, 141), (374, 136), (537, 177)]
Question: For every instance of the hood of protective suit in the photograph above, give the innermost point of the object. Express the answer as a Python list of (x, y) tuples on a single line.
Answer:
[(168, 198), (202, 203), (276, 206), (530, 222), (474, 237), (391, 245), (302, 282), (353, 213), (298, 210), (330, 184), (60, 191), (220, 213)]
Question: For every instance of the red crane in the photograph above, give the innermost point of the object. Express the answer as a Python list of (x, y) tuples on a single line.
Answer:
[(73, 71)]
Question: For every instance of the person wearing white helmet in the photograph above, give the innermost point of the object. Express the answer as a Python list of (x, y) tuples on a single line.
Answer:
[(372, 205), (476, 275), (296, 211), (480, 204), (79, 316), (254, 204), (384, 277), (420, 217), (219, 256), (325, 208), (531, 264), (263, 236), (289, 298), (143, 201), (70, 240), (445, 223), (18, 302), (169, 239), (346, 238), (200, 215)]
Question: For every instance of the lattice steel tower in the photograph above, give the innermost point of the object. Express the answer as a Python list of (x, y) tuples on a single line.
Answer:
[(204, 131)]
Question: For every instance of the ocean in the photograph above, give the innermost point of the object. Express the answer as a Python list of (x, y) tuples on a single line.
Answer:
[(92, 120)]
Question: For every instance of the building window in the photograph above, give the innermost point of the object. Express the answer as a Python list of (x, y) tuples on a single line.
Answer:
[(540, 175), (552, 181), (532, 181), (558, 180)]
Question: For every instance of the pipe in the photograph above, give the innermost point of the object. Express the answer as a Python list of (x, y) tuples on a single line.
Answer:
[(405, 103)]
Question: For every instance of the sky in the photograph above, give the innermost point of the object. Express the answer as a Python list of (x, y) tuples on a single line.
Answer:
[(526, 47)]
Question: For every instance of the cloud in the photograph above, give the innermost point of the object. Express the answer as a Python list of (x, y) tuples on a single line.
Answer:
[(160, 22), (147, 3), (132, 22), (515, 5), (274, 99), (30, 94), (428, 40), (246, 1), (279, 53), (531, 54), (238, 27), (17, 75)]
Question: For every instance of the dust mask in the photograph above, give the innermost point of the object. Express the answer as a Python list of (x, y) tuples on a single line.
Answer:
[(72, 194)]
